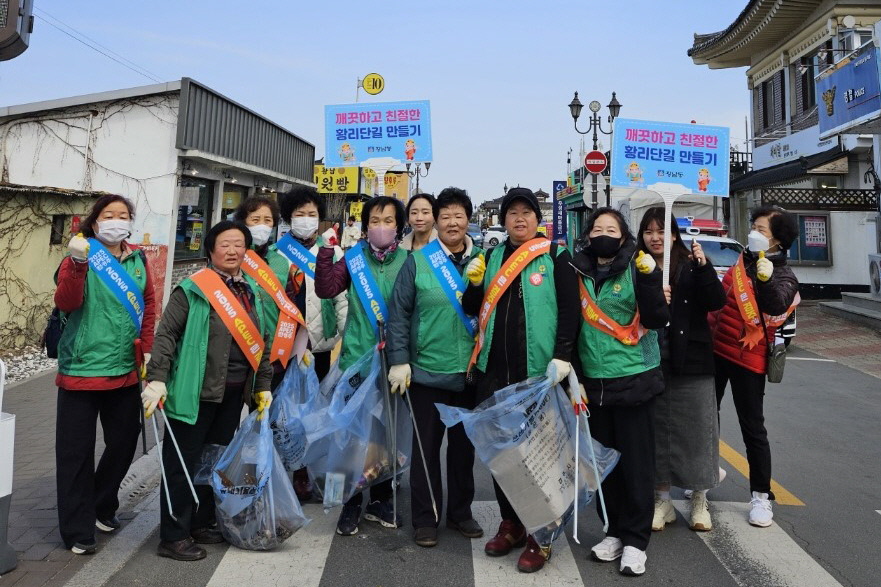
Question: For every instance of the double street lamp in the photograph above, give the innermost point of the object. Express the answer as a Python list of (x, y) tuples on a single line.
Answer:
[(417, 173), (614, 107)]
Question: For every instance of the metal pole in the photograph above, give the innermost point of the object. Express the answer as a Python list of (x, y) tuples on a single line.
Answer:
[(594, 123)]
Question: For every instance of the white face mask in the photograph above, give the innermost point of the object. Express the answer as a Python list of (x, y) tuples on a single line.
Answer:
[(260, 233), (756, 241), (304, 226), (113, 232)]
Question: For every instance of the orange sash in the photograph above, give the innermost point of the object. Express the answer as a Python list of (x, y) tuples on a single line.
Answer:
[(235, 318), (749, 307), (595, 317), (516, 263), (289, 315)]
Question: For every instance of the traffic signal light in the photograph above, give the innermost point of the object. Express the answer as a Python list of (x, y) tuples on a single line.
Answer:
[(16, 24)]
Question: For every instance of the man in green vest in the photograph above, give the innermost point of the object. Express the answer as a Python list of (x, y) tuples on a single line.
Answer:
[(430, 340), (380, 259)]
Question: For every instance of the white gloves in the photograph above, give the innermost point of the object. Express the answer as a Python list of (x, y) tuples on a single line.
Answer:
[(399, 378), (645, 263), (764, 267), (263, 399), (327, 238), (475, 270), (79, 248), (153, 393), (558, 370)]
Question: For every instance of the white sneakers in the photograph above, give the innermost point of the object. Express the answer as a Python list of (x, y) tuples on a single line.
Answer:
[(760, 513), (664, 514), (608, 550), (700, 512), (633, 561)]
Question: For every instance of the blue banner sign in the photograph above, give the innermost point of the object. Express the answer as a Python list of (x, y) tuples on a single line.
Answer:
[(692, 155), (356, 132), (560, 228), (849, 92)]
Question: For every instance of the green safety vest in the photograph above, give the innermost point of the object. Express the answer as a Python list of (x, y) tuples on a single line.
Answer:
[(540, 307), (98, 340), (187, 372), (359, 335), (602, 355), (442, 343)]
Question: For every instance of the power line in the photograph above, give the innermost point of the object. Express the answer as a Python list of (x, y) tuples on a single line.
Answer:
[(110, 54)]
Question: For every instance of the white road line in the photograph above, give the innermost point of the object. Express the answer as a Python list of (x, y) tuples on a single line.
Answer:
[(299, 561), (561, 570), (758, 556), (878, 511), (788, 358)]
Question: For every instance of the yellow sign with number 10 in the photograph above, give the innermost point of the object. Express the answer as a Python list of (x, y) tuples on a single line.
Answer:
[(373, 83)]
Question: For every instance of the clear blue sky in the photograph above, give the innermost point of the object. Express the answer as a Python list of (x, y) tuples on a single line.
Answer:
[(499, 74)]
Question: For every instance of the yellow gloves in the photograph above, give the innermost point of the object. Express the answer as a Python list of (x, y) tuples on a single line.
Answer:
[(558, 370), (399, 378), (764, 267), (475, 270), (263, 399), (79, 248), (645, 263), (307, 358), (153, 393)]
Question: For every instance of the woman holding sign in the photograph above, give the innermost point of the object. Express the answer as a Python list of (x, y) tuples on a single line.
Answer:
[(619, 364), (105, 289), (367, 272), (524, 294), (430, 340), (209, 359)]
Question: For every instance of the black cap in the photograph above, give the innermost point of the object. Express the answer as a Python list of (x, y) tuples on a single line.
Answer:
[(518, 193)]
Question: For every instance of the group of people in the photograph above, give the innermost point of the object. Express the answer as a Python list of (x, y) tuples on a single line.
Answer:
[(652, 360)]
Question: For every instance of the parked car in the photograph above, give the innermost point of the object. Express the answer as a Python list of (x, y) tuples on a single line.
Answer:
[(476, 235), (494, 235)]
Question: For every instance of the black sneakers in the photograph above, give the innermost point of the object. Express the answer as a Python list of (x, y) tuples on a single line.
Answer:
[(347, 525), (382, 512)]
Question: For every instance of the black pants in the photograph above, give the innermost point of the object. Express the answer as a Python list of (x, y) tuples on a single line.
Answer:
[(748, 393), (216, 423), (84, 492), (629, 489), (460, 457)]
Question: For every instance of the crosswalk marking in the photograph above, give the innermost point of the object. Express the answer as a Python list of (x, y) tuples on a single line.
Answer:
[(758, 556), (561, 570), (299, 561), (782, 495)]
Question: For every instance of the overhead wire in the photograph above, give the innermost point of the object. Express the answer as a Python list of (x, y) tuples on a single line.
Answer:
[(96, 46)]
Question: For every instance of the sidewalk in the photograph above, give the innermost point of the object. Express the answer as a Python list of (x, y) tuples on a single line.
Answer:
[(33, 517), (835, 338)]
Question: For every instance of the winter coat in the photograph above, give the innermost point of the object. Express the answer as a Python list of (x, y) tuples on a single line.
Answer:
[(407, 241)]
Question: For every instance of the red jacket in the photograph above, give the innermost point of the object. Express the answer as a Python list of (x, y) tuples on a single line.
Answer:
[(774, 298)]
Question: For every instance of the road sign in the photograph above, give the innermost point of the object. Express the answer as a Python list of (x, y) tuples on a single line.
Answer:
[(595, 162), (373, 83)]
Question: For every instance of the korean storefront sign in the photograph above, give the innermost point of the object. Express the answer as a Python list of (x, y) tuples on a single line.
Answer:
[(646, 152), (356, 132), (336, 180), (849, 92), (789, 148), (559, 220)]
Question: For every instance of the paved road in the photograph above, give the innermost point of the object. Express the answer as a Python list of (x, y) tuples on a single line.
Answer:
[(823, 422)]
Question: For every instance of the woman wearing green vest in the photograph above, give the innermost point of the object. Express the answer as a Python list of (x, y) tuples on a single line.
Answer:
[(205, 376), (98, 375), (380, 255), (530, 333), (261, 215), (430, 341), (618, 363)]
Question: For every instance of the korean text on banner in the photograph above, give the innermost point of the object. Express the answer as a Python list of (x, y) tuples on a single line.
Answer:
[(849, 92), (559, 221), (357, 132), (336, 180), (646, 152)]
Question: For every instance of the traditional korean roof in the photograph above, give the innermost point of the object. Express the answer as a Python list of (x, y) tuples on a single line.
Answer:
[(15, 188)]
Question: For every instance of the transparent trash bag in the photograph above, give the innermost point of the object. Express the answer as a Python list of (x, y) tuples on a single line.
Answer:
[(296, 400), (525, 435), (367, 429), (211, 453), (257, 508)]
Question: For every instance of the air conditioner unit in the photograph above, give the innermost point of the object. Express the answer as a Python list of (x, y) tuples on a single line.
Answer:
[(875, 275)]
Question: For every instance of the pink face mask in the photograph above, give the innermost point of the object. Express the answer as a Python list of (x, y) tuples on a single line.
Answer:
[(381, 237)]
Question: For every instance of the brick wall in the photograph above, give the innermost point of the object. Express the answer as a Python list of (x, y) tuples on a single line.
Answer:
[(183, 269)]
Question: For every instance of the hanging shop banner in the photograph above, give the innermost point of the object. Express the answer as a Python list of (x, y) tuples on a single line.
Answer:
[(559, 221), (789, 148), (336, 180), (397, 185), (356, 132), (849, 92), (648, 152)]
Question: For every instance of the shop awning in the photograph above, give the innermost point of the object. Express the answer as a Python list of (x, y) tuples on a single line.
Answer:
[(785, 171)]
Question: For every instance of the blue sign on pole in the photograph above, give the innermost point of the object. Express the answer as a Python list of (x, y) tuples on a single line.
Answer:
[(356, 132), (560, 228), (849, 92), (692, 155)]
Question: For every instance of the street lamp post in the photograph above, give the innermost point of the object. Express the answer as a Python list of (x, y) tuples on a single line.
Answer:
[(614, 107), (417, 173)]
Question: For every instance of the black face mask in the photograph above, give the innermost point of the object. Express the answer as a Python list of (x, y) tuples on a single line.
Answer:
[(605, 246)]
